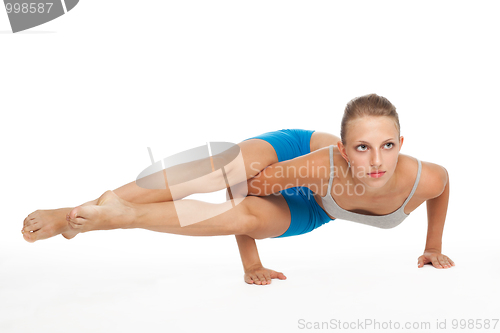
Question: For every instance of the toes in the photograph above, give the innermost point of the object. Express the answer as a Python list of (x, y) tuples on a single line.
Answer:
[(74, 213), (75, 218), (32, 227), (29, 237), (75, 225), (81, 217), (28, 220), (81, 213), (43, 233)]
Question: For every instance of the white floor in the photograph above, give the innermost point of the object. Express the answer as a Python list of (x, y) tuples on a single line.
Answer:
[(107, 282)]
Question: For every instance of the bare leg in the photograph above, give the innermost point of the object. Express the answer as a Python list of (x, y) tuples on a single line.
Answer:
[(258, 217), (112, 212), (43, 224)]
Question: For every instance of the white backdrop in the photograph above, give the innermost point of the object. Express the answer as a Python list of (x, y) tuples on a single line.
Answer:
[(83, 96)]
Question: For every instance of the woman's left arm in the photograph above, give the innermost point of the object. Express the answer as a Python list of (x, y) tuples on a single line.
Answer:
[(436, 216)]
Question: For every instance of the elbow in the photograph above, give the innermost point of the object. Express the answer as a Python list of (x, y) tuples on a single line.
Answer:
[(440, 183), (446, 181), (446, 177)]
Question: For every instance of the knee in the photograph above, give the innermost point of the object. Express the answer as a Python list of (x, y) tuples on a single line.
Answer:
[(246, 223)]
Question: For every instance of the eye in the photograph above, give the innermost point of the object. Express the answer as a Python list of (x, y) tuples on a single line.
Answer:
[(390, 143)]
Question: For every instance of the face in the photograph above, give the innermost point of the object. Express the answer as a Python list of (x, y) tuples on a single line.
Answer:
[(372, 145)]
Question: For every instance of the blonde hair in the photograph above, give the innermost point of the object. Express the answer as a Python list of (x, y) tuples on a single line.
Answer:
[(367, 105)]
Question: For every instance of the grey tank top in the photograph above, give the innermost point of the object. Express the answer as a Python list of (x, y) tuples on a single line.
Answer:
[(383, 221)]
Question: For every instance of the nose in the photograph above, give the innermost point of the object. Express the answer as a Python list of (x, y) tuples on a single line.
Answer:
[(376, 159)]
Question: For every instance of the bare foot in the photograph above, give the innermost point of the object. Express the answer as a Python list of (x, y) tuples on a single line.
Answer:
[(109, 212), (43, 224)]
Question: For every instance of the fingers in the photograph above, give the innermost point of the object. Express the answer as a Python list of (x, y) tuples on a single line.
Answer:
[(451, 261), (251, 278), (446, 262), (421, 261), (260, 277), (248, 279), (264, 278), (442, 261), (437, 260), (277, 275)]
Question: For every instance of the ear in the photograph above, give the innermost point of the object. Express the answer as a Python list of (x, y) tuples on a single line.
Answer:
[(401, 142), (342, 151)]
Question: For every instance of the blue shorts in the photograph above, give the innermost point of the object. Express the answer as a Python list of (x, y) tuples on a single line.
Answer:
[(306, 214)]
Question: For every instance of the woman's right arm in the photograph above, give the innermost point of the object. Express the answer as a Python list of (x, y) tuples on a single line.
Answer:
[(309, 170), (248, 251), (254, 271)]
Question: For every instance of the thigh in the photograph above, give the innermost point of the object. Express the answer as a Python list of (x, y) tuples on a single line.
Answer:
[(272, 216), (291, 213), (271, 147), (257, 155)]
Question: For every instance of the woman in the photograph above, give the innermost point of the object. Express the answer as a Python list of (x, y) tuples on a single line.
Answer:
[(360, 177)]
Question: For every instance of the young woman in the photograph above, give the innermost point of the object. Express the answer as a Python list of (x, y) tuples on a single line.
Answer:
[(314, 177)]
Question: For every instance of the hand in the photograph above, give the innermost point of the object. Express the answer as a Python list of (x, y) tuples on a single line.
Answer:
[(260, 275), (435, 257)]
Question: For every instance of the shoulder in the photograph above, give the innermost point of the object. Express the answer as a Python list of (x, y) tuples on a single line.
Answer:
[(433, 178), (322, 139)]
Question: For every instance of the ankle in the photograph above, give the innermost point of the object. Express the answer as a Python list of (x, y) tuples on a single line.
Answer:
[(132, 214)]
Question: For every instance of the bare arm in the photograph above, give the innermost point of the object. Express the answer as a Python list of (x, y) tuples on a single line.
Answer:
[(437, 207), (309, 170), (254, 271), (248, 252), (436, 215)]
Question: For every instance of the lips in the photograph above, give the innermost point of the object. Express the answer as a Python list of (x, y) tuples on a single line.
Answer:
[(377, 173)]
